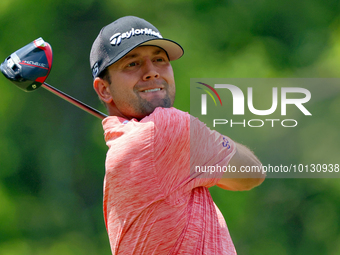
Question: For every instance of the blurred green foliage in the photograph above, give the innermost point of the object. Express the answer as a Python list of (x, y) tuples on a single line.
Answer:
[(52, 154)]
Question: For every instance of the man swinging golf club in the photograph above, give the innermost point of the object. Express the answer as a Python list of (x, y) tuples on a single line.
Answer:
[(152, 204)]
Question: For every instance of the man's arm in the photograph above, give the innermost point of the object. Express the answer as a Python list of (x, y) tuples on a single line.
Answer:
[(242, 158)]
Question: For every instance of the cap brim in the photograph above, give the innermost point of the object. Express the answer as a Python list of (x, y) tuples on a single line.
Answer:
[(173, 49)]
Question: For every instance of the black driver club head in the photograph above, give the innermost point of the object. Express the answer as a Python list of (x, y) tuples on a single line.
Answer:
[(29, 66)]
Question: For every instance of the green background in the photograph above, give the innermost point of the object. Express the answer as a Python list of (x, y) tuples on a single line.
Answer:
[(52, 154)]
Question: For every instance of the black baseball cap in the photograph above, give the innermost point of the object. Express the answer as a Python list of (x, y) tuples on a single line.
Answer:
[(122, 36)]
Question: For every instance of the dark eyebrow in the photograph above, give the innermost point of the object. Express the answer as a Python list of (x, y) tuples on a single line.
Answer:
[(156, 52), (130, 56)]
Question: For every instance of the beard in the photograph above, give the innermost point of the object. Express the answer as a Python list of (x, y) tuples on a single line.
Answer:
[(145, 107), (139, 106)]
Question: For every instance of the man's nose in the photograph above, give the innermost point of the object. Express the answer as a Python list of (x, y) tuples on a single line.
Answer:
[(150, 71)]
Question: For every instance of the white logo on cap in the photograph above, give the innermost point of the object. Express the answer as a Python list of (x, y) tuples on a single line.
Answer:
[(95, 69), (117, 38)]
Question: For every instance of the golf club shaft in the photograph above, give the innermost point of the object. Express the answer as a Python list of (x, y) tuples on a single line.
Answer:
[(74, 101)]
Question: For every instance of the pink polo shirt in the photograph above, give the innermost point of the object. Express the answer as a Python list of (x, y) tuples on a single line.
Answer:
[(152, 204)]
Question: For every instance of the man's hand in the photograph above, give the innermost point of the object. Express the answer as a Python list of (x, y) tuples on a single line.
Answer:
[(247, 180)]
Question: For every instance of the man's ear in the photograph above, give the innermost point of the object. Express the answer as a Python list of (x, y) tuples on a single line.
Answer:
[(102, 88)]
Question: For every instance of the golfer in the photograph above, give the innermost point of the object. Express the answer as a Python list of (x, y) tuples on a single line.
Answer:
[(154, 203)]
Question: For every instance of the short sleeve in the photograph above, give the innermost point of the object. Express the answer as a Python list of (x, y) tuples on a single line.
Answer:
[(210, 153), (182, 142)]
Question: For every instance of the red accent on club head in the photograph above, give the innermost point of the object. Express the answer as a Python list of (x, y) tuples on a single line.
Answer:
[(41, 79), (23, 63), (49, 56)]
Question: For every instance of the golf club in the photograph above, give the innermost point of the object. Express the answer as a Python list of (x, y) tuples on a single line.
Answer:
[(29, 67)]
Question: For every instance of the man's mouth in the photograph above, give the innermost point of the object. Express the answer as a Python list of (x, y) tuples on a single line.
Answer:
[(152, 90)]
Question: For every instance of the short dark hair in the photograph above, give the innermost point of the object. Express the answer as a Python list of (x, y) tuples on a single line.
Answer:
[(105, 75)]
